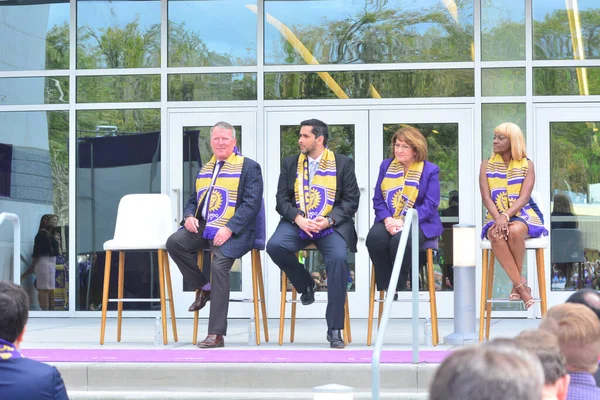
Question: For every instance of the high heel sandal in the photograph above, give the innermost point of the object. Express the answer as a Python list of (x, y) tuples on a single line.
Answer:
[(514, 296), (525, 292)]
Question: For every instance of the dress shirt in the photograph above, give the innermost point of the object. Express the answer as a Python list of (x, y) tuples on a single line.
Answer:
[(582, 387), (209, 191)]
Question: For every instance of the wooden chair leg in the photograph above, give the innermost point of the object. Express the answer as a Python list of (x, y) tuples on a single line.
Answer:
[(539, 258), (482, 302), (432, 298), (163, 306), (197, 313), (293, 321), (170, 293), (346, 330), (120, 289), (261, 290), (490, 294), (371, 306), (282, 306), (381, 302), (255, 298), (105, 295)]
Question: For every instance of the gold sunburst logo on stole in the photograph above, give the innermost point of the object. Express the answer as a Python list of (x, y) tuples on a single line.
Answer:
[(314, 199), (216, 200), (397, 199), (502, 201)]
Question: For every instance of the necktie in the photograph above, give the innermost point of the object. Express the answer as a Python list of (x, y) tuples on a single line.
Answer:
[(312, 169), (209, 192)]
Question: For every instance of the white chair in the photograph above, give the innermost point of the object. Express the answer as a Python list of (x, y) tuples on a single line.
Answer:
[(144, 222), (487, 274)]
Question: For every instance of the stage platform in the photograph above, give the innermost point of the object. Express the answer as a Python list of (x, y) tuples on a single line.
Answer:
[(136, 369)]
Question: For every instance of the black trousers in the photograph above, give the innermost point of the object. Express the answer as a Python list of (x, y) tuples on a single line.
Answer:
[(382, 249), (282, 248), (183, 247)]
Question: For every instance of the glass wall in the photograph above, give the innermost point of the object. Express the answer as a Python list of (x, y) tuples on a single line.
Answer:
[(34, 184)]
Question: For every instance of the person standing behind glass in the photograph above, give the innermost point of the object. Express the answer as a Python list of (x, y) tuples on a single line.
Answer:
[(43, 263), (405, 181), (512, 215)]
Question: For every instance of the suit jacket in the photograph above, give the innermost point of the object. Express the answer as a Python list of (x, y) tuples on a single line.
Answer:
[(25, 379), (346, 196), (426, 204), (249, 200)]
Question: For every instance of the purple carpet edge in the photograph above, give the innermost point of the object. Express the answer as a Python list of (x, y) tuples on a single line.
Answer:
[(229, 356)]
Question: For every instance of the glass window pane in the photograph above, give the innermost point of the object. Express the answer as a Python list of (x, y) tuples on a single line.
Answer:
[(566, 81), (341, 140), (34, 36), (118, 34), (99, 89), (442, 146), (372, 84), (575, 217), (503, 82), (34, 182), (203, 33), (118, 153), (40, 90), (566, 30), (336, 32), (493, 115), (197, 152), (212, 87), (502, 30)]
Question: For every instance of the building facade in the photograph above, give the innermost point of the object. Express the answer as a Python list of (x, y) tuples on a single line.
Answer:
[(99, 99)]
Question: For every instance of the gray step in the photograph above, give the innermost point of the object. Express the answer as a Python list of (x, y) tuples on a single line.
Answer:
[(116, 395), (249, 379)]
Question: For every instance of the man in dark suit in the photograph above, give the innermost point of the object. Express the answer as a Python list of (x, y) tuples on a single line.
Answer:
[(219, 215), (313, 211), (21, 378)]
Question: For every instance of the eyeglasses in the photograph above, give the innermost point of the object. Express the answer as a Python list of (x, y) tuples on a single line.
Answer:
[(402, 147)]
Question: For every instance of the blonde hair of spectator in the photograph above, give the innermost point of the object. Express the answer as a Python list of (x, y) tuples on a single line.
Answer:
[(518, 149), (578, 330)]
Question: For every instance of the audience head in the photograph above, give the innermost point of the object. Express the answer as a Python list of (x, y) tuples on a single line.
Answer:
[(578, 332), (546, 347), (48, 222), (414, 138), (562, 203), (488, 373), (518, 149), (14, 311), (587, 297)]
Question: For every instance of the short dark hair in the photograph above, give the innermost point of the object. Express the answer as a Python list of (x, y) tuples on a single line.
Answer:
[(319, 128), (14, 311), (585, 297)]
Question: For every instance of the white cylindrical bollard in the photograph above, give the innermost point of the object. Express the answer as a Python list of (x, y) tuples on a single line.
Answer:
[(333, 391), (464, 286)]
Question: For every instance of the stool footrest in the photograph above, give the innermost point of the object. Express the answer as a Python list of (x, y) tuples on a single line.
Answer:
[(136, 300), (300, 301), (424, 300), (501, 300), (245, 300)]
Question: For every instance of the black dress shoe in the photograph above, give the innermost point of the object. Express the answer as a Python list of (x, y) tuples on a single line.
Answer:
[(334, 337), (212, 341), (202, 296), (308, 297)]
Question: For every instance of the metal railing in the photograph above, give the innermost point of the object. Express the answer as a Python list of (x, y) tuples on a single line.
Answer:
[(411, 223), (16, 244)]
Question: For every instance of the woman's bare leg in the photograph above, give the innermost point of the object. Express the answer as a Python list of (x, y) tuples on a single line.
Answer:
[(44, 299), (505, 257), (516, 243)]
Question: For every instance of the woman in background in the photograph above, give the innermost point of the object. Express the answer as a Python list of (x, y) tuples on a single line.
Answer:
[(43, 263)]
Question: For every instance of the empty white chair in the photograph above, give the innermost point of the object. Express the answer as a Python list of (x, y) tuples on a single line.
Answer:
[(144, 222)]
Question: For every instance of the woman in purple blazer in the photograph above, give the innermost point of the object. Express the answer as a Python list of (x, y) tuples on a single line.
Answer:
[(405, 181)]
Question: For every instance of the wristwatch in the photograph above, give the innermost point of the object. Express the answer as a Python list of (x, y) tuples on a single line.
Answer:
[(330, 220)]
